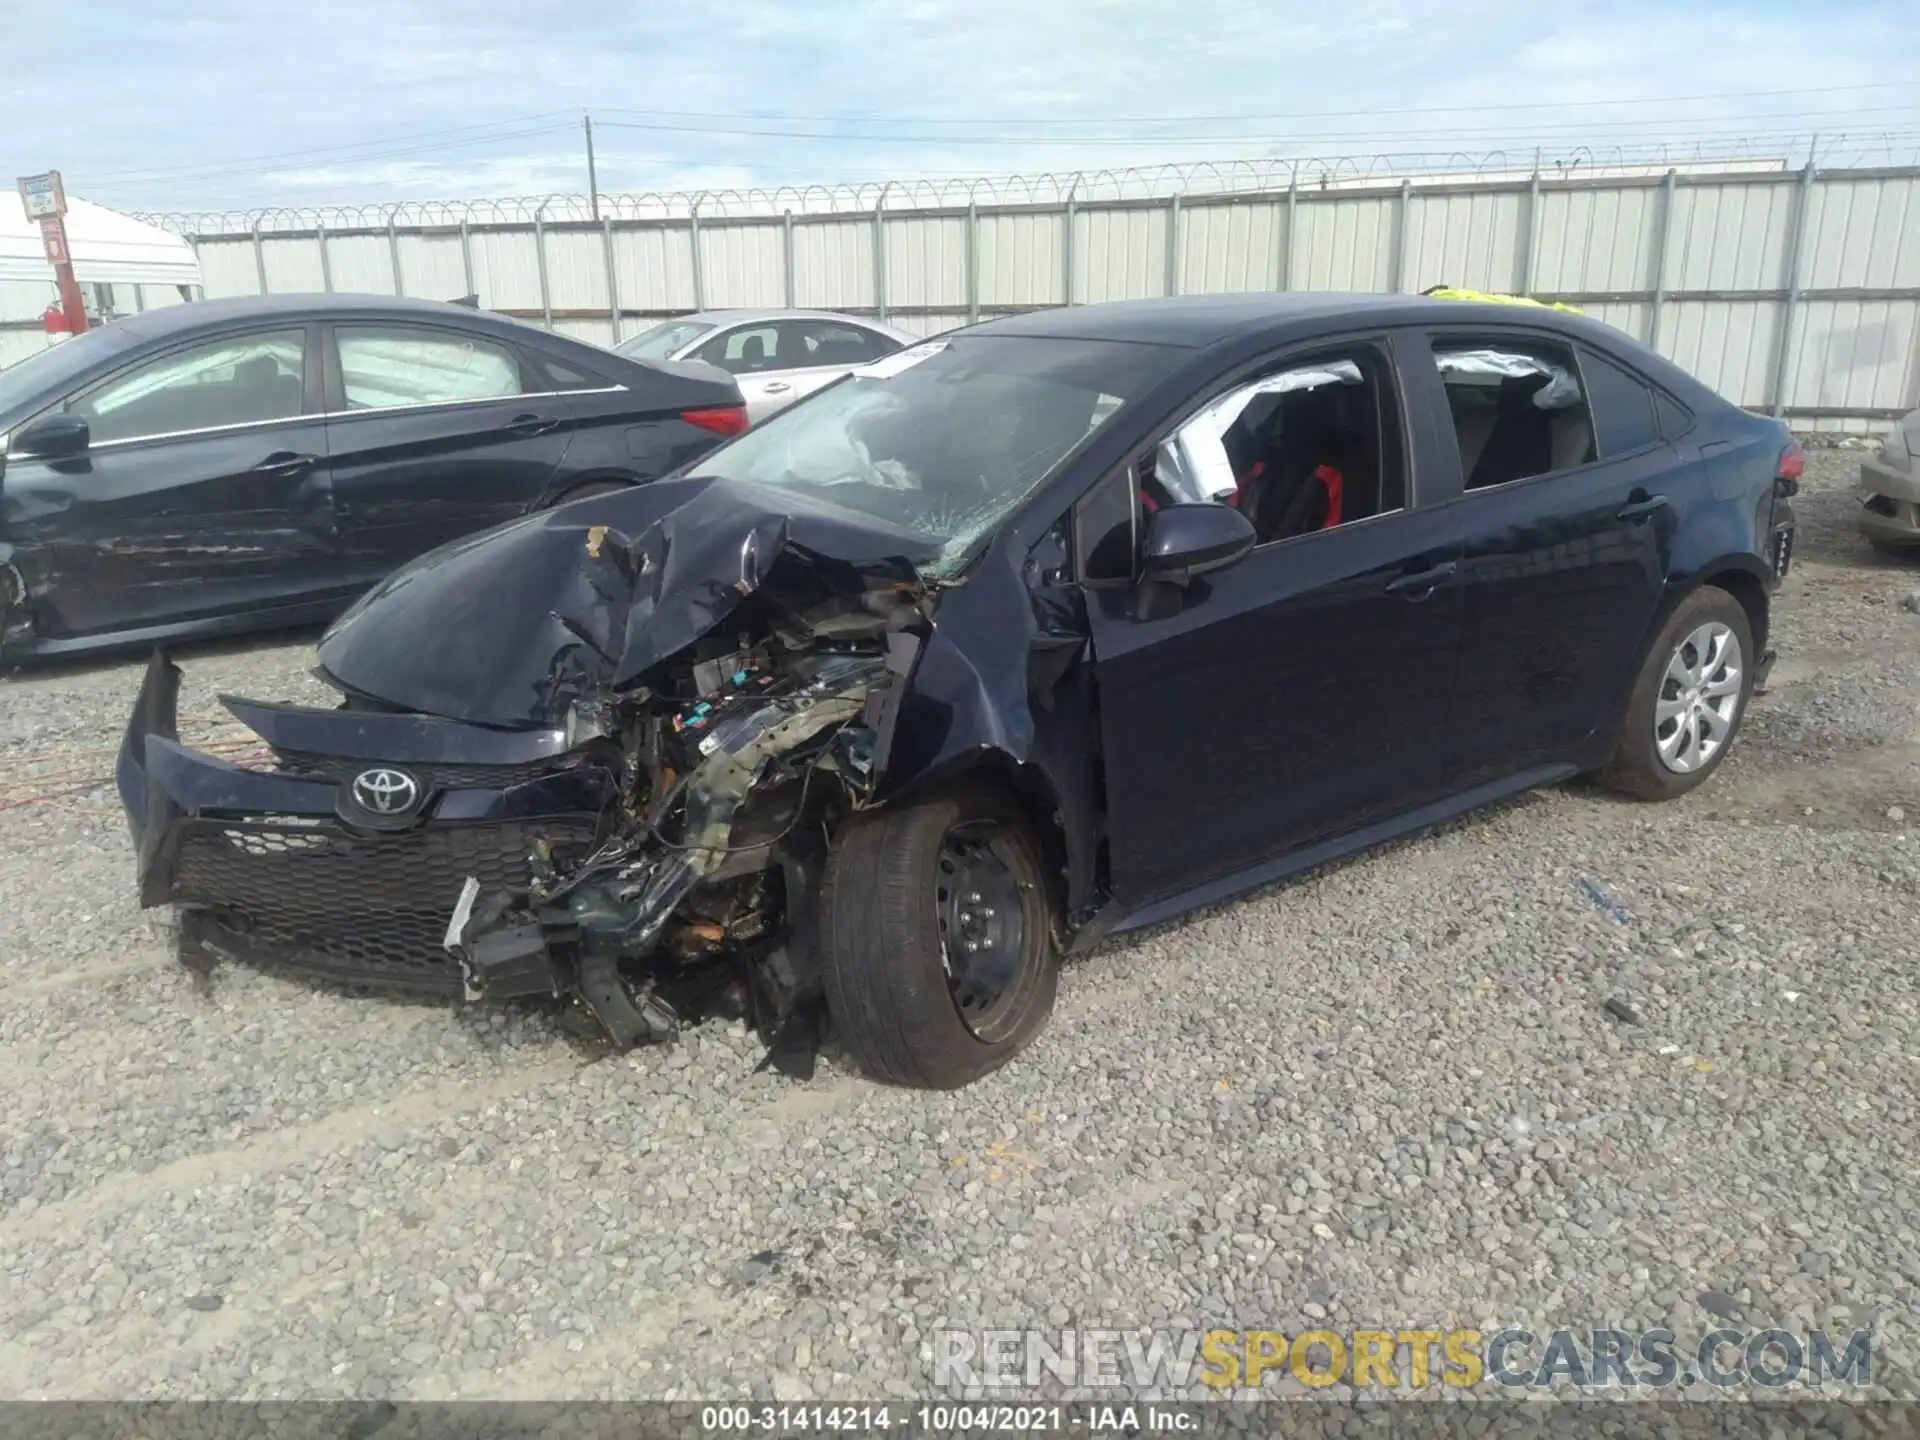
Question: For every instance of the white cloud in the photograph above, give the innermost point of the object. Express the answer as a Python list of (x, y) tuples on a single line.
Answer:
[(363, 100)]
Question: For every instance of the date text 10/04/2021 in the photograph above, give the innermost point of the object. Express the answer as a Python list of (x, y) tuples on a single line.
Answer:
[(1090, 1418)]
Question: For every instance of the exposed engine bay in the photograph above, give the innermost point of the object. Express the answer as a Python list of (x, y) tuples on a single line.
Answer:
[(637, 833), (731, 767)]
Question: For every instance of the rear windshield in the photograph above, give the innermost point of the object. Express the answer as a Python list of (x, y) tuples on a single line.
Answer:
[(947, 437)]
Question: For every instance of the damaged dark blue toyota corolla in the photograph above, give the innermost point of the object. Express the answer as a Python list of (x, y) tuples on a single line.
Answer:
[(1052, 627)]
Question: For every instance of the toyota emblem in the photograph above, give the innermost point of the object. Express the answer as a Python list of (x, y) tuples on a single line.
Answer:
[(385, 792)]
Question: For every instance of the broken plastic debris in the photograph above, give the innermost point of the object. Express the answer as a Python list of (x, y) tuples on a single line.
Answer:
[(1609, 907), (755, 1267), (1622, 1009)]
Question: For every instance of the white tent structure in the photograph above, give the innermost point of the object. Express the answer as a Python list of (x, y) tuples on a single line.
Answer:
[(122, 265)]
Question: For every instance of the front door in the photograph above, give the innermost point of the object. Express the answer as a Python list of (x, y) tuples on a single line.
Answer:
[(1302, 692), (202, 490), (1566, 520), (434, 433)]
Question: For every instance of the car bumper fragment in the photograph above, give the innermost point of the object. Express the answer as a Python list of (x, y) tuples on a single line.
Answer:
[(1889, 502), (264, 866)]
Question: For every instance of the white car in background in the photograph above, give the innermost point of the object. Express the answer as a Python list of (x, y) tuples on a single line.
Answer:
[(776, 356)]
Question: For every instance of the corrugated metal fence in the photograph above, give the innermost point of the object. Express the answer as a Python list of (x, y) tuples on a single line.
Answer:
[(1793, 291)]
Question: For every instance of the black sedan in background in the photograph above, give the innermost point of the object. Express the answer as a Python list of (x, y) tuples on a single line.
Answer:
[(241, 465)]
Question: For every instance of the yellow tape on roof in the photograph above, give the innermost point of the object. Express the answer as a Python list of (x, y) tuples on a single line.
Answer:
[(1444, 292)]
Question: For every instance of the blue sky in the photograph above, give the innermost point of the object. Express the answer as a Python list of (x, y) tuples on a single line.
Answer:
[(150, 104)]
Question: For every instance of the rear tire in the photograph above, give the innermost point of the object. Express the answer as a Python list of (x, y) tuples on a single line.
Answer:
[(1678, 725), (907, 890)]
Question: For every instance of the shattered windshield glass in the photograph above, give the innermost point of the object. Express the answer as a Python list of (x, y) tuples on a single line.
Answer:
[(945, 438)]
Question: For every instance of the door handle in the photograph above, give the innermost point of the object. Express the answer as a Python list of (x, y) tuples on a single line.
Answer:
[(1643, 508), (285, 462), (776, 387), (1419, 584), (531, 424)]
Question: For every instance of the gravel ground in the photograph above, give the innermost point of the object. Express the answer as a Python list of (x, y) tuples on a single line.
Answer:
[(1388, 1094)]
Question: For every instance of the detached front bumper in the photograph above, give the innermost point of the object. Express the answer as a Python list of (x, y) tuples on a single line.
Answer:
[(288, 866)]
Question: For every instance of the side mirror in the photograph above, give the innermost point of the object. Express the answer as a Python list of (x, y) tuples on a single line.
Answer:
[(1188, 540), (53, 438)]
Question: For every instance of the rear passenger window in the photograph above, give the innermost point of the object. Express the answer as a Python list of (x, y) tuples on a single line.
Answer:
[(1518, 409), (1622, 406), (815, 343), (383, 367)]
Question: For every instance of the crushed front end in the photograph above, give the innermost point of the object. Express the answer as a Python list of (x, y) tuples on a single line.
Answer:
[(643, 843)]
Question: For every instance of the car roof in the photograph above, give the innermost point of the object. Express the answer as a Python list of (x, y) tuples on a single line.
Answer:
[(213, 314), (1198, 321), (736, 317)]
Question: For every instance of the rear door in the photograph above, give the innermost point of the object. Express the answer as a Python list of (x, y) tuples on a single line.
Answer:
[(433, 433), (1566, 515), (202, 491)]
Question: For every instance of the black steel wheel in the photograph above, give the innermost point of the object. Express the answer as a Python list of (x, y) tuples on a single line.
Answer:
[(983, 925), (937, 938)]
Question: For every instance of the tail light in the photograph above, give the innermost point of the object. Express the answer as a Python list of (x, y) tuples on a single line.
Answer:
[(720, 419), (1793, 464)]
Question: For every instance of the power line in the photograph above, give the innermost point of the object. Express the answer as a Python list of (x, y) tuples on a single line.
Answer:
[(1701, 125), (413, 139), (229, 170), (846, 119), (410, 140)]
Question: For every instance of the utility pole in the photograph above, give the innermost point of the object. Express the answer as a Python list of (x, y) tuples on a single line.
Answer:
[(45, 199), (593, 178)]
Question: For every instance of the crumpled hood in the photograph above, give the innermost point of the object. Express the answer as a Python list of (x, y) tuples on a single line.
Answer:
[(510, 627)]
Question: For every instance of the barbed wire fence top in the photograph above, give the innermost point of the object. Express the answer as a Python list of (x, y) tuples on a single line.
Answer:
[(1147, 182)]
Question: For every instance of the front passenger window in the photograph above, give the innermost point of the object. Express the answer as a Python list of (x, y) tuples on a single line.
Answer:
[(1307, 448), (1518, 410), (742, 352), (239, 380)]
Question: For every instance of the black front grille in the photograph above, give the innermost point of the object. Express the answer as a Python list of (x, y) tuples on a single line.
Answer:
[(367, 909), (337, 770)]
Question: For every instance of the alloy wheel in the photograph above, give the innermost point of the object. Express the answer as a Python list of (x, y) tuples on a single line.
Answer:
[(1699, 699)]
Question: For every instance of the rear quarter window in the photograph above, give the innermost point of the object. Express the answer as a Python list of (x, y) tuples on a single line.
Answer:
[(558, 375), (1622, 405)]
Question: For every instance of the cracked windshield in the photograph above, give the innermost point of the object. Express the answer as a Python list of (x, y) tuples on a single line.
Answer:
[(947, 438)]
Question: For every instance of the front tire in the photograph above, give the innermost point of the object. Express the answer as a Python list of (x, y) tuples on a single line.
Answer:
[(936, 939), (1688, 700)]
